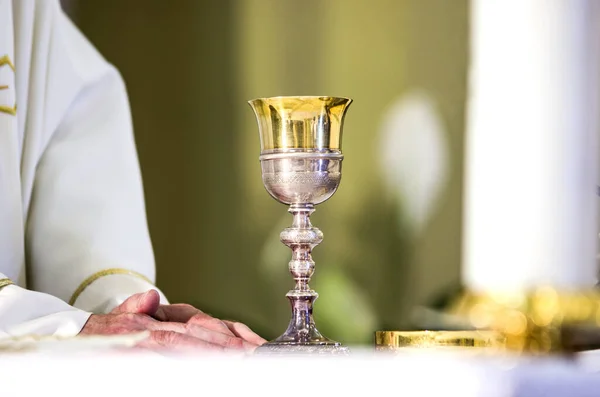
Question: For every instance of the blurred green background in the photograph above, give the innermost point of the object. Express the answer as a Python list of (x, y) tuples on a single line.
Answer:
[(392, 231)]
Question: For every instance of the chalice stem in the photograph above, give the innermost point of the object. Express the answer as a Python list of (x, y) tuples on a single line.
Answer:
[(301, 238)]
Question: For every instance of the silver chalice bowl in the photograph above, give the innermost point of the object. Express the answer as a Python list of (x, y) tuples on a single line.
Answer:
[(301, 162)]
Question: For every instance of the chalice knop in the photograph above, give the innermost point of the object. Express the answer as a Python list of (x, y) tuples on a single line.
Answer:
[(301, 163)]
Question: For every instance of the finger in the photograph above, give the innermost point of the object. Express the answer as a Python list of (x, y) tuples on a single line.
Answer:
[(142, 303), (243, 331), (229, 342), (177, 313), (184, 313), (211, 336), (171, 340), (209, 322)]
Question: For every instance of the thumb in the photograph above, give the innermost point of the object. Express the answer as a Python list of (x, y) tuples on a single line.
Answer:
[(142, 303)]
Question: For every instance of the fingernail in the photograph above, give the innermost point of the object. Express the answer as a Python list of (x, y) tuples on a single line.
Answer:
[(143, 298), (146, 294)]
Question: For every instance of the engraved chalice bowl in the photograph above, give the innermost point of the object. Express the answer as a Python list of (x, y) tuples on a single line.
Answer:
[(301, 163)]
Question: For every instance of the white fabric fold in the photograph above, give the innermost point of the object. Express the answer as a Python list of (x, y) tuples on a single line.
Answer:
[(24, 312)]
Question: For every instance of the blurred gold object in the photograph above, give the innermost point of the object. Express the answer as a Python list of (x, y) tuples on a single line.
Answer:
[(391, 340), (544, 320)]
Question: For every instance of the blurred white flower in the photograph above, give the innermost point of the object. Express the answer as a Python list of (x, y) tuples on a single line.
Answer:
[(414, 156)]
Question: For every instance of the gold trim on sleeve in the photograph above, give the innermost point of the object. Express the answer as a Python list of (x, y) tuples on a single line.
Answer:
[(5, 281), (102, 273)]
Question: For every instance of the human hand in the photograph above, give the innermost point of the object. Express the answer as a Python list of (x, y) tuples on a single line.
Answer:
[(184, 313), (134, 315)]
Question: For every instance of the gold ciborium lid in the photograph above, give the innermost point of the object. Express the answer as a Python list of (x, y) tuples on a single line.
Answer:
[(300, 122), (434, 339)]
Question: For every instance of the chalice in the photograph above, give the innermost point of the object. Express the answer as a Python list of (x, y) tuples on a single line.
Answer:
[(301, 164)]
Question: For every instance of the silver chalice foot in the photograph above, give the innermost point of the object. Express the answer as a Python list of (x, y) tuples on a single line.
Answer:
[(301, 336), (301, 163)]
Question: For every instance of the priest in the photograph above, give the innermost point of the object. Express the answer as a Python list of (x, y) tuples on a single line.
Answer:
[(75, 252)]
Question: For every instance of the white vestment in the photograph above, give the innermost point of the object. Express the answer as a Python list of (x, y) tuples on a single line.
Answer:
[(71, 200)]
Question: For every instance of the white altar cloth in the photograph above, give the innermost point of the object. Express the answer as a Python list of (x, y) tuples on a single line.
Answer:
[(100, 371)]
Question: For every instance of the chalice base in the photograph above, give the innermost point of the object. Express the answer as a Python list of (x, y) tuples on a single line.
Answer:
[(320, 347), (302, 336)]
